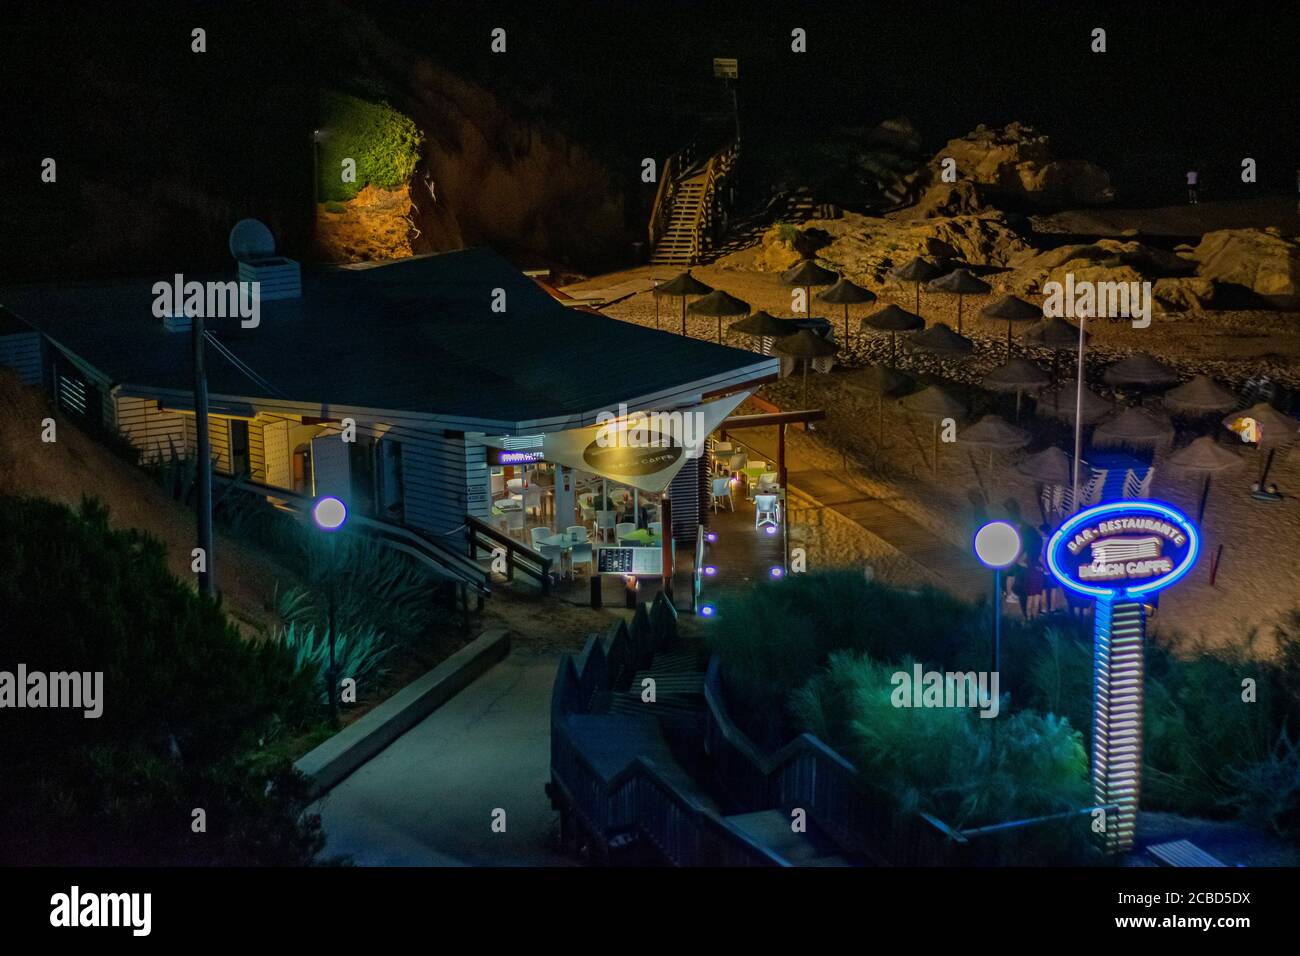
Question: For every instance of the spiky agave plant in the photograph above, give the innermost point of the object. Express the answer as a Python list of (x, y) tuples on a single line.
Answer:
[(358, 653)]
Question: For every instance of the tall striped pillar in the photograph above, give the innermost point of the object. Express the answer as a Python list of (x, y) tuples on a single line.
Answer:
[(1118, 637)]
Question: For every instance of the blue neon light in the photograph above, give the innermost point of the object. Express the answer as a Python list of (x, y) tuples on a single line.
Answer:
[(1170, 513)]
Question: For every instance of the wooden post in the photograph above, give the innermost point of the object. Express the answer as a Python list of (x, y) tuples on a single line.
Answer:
[(666, 542), (780, 454)]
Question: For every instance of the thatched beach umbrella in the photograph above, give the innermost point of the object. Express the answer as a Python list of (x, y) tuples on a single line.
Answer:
[(763, 326), (1139, 370), (936, 404), (684, 285), (1051, 466), (1095, 408), (719, 304), (940, 339), (1204, 456), (880, 380), (1200, 396), (1270, 427), (846, 293), (917, 270), (1012, 308), (1264, 426), (805, 275), (1017, 375), (893, 320), (807, 345), (1135, 426), (996, 434), (1059, 336), (960, 283)]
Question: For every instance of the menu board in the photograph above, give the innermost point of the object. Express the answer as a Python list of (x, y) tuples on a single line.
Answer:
[(645, 561)]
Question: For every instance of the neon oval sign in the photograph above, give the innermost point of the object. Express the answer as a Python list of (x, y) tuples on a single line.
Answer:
[(1123, 549)]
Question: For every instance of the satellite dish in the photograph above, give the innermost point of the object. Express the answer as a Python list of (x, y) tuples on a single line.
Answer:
[(250, 240)]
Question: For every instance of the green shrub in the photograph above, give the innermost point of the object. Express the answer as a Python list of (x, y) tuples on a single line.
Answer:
[(947, 761), (358, 654), (385, 144), (186, 701)]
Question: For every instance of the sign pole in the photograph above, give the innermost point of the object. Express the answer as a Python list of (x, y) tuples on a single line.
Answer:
[(1119, 638)]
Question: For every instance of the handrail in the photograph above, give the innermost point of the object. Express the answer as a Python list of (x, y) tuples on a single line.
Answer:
[(852, 812), (420, 545), (532, 564), (638, 796), (663, 197)]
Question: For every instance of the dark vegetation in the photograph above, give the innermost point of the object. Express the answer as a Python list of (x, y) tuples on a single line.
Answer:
[(187, 703), (1208, 751)]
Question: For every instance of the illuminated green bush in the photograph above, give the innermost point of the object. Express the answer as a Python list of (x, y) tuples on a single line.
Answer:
[(385, 144)]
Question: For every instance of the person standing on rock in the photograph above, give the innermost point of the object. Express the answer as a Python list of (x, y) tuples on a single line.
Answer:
[(1191, 187)]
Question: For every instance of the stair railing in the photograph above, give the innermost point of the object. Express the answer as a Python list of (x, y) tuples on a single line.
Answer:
[(661, 214)]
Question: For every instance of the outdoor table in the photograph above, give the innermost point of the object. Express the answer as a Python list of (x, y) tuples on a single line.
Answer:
[(508, 504), (752, 473), (640, 538), (561, 541)]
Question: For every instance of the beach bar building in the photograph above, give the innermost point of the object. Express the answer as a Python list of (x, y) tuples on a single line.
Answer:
[(453, 368)]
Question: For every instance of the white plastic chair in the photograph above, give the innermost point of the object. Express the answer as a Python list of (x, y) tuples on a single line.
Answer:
[(605, 522), (515, 521), (537, 534), (582, 552), (721, 488), (768, 482), (498, 485), (765, 510), (737, 461), (624, 528)]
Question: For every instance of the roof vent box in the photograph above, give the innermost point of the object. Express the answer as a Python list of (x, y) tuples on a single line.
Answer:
[(253, 247)]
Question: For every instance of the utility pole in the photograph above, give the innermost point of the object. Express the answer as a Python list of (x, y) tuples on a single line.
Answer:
[(203, 499)]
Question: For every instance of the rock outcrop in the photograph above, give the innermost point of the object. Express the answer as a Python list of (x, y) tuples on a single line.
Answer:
[(867, 247), (1010, 165), (1262, 260), (1106, 260)]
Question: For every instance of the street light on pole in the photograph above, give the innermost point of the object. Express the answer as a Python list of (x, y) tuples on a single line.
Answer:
[(330, 514), (997, 545)]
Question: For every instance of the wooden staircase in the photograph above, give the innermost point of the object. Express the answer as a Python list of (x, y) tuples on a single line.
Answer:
[(681, 242), (687, 205)]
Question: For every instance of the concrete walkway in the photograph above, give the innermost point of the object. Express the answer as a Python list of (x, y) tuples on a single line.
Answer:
[(428, 799), (957, 571)]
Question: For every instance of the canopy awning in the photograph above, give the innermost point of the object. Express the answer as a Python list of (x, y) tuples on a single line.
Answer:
[(644, 449)]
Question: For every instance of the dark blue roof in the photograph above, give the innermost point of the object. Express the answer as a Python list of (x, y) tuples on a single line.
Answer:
[(415, 335)]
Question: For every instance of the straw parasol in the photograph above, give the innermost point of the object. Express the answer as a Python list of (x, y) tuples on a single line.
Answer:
[(1200, 396), (1206, 457), (1051, 466), (762, 326), (917, 270), (805, 275), (1135, 426), (807, 345), (1012, 308), (1139, 370), (719, 304), (941, 340), (683, 285), (1272, 427), (1059, 336), (880, 380), (996, 434), (846, 293), (961, 283), (1017, 375), (893, 320), (1095, 408), (936, 404)]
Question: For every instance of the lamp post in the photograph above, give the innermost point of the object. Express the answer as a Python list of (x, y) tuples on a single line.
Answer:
[(330, 513), (997, 545)]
